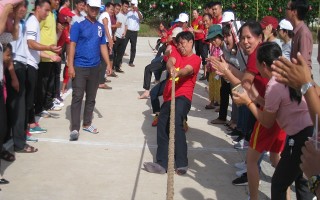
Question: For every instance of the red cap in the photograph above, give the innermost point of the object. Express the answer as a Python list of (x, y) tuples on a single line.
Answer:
[(269, 20), (64, 13)]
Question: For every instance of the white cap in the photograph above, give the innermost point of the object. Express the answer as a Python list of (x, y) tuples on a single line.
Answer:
[(285, 24), (135, 2), (176, 31), (94, 3), (227, 16), (183, 17)]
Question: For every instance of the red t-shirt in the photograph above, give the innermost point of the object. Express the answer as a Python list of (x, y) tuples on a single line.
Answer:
[(196, 25), (259, 82), (65, 36), (174, 52), (217, 21), (185, 85)]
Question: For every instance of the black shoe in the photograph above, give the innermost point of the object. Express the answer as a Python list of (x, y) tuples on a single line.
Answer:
[(202, 78), (241, 181), (4, 181), (119, 71), (235, 132), (113, 74)]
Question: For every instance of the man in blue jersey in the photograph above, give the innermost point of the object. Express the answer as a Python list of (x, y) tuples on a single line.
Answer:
[(87, 43)]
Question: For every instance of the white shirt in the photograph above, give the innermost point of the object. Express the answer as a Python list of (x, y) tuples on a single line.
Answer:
[(33, 33), (77, 18), (122, 18), (19, 46), (133, 21), (106, 15)]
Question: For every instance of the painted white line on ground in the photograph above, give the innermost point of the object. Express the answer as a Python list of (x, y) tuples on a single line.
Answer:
[(130, 146)]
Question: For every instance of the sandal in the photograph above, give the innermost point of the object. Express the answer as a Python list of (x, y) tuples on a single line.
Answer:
[(27, 149), (7, 156), (91, 129), (181, 170)]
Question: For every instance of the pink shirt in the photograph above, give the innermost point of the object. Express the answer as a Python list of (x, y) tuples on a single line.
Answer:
[(291, 116)]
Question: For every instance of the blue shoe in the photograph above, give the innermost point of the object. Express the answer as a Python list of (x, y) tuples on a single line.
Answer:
[(37, 129)]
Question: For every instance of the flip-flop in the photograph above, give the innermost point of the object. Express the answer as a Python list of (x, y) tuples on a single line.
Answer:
[(27, 149), (91, 129)]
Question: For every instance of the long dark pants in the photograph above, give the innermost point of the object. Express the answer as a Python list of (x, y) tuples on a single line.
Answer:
[(3, 117), (118, 51), (45, 88), (16, 106), (57, 72), (225, 91), (85, 81), (32, 76), (131, 36), (152, 67), (183, 106), (155, 92), (288, 169)]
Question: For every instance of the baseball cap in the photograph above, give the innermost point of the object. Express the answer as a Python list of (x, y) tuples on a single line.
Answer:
[(63, 14), (269, 20), (227, 16), (176, 31), (135, 2), (183, 17), (285, 24), (94, 3), (214, 30)]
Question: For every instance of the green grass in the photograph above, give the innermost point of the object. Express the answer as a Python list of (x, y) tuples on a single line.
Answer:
[(147, 31)]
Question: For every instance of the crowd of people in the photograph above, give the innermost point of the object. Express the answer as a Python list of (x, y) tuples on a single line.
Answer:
[(263, 66)]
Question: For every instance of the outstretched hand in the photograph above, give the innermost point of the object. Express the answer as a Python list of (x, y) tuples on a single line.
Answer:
[(219, 64), (293, 74)]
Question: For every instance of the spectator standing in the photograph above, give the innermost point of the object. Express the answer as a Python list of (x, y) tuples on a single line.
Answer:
[(88, 43), (78, 11), (198, 26), (285, 31), (302, 41), (134, 17), (120, 45), (216, 13)]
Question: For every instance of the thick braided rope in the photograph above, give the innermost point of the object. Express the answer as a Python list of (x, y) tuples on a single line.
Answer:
[(170, 172)]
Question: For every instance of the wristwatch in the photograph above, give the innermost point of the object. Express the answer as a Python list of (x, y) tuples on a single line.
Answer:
[(305, 87), (313, 183)]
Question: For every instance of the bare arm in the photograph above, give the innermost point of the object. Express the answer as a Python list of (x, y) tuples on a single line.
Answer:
[(71, 59), (108, 34), (105, 54), (4, 16)]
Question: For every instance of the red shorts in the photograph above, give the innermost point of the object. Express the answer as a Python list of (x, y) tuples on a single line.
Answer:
[(263, 139)]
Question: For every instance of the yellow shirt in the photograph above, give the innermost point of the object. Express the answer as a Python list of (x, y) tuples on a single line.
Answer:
[(48, 34)]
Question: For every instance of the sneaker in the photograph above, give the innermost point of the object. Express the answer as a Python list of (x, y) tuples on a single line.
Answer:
[(240, 172), (37, 129), (55, 108), (37, 124), (236, 140), (59, 98), (155, 120), (74, 135), (31, 139), (241, 165), (57, 102), (242, 144), (44, 114), (241, 181)]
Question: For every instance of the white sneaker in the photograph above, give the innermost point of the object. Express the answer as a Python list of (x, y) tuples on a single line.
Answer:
[(56, 102), (241, 165), (242, 144), (240, 172), (55, 108)]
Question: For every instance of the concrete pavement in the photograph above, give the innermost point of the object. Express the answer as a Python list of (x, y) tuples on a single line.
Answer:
[(108, 165)]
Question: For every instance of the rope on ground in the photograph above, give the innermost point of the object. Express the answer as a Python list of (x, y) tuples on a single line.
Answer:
[(170, 172)]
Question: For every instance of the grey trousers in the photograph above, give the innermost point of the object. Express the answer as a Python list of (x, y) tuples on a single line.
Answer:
[(85, 81)]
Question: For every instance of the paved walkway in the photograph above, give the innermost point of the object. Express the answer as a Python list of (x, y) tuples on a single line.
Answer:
[(109, 165)]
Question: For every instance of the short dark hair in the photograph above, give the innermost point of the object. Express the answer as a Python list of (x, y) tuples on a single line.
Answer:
[(207, 14), (124, 2), (216, 3), (301, 6), (226, 29), (254, 27), (117, 4), (185, 35), (80, 1), (289, 32), (41, 2), (6, 46), (108, 4)]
